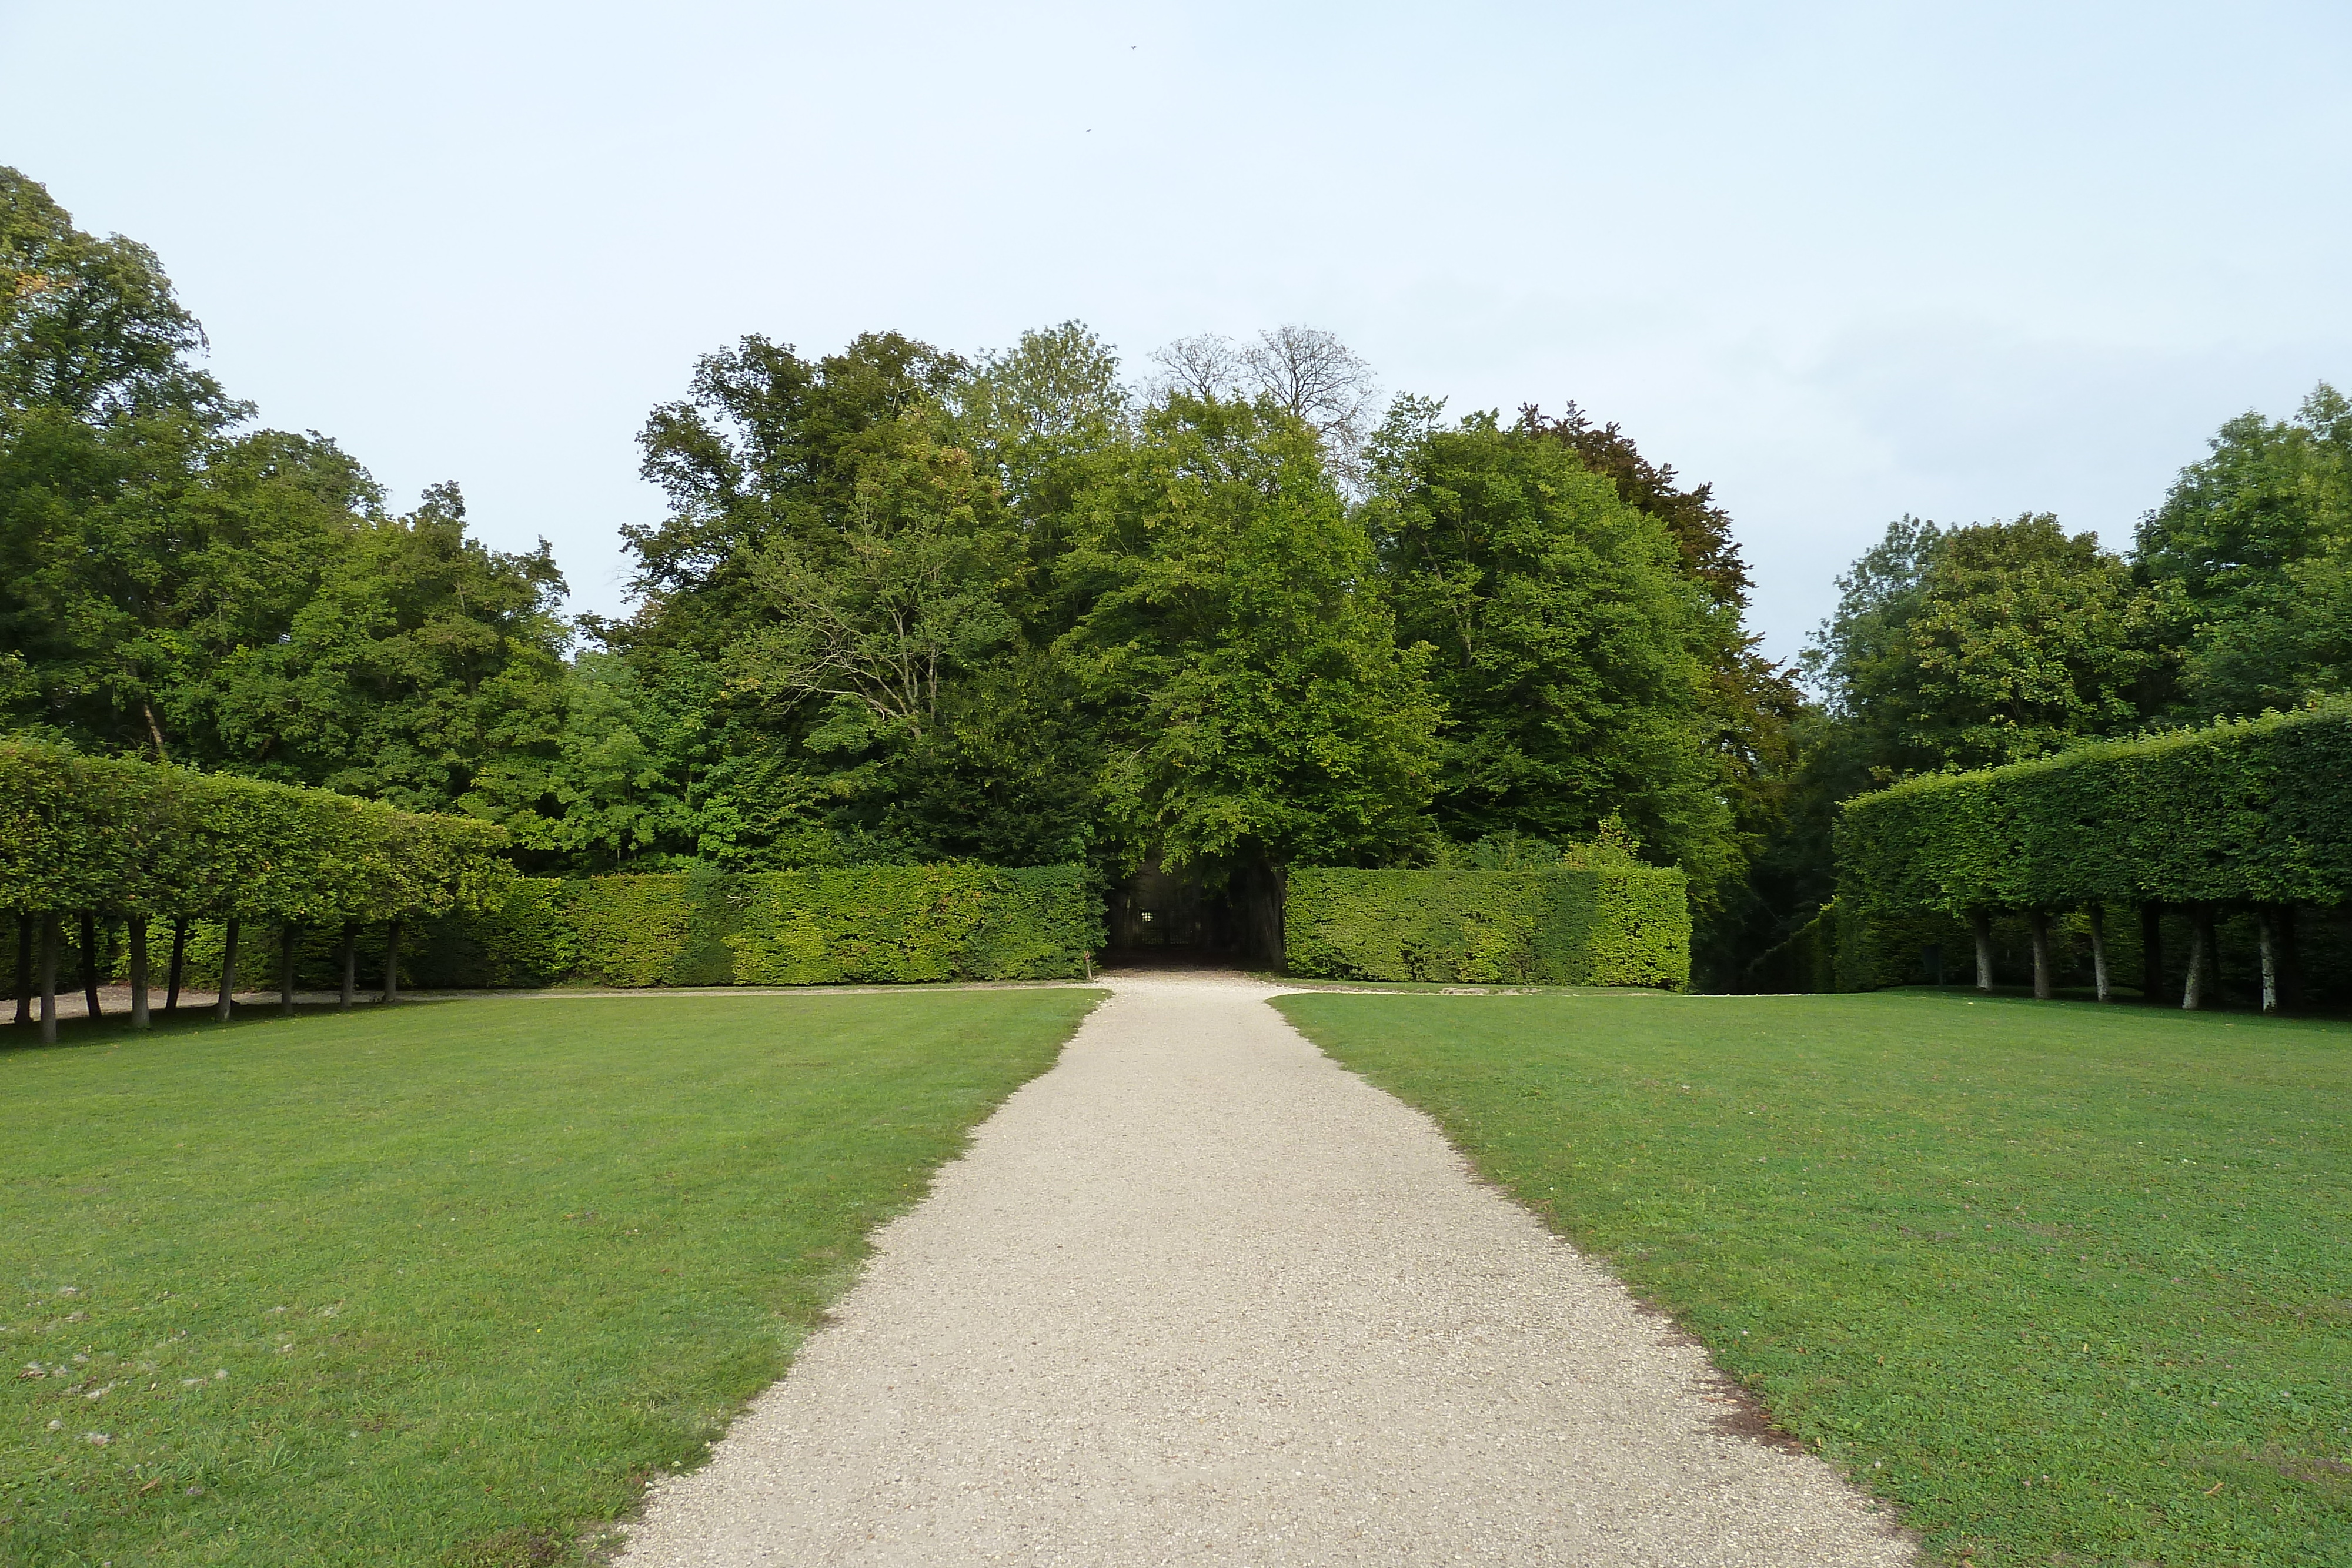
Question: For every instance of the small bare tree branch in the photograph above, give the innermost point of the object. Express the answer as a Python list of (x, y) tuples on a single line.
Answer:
[(1205, 366)]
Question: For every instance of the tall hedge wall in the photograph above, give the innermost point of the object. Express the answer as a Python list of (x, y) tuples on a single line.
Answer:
[(1610, 925), (881, 923), (2248, 812), (108, 835)]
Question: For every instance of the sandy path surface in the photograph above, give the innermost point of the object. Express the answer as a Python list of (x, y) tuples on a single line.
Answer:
[(1197, 1295)]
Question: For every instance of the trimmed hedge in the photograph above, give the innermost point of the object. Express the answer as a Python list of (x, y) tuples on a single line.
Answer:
[(877, 923), (109, 835), (2246, 812), (1568, 925)]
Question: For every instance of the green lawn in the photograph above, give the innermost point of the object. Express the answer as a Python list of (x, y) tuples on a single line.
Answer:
[(2070, 1283), (443, 1285)]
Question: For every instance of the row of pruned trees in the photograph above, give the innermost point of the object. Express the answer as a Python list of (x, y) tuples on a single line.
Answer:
[(2251, 815), (107, 839)]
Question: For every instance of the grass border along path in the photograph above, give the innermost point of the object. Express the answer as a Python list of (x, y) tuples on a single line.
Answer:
[(443, 1285), (2070, 1283)]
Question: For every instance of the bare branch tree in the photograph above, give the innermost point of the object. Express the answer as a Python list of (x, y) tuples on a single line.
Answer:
[(1323, 383), (1315, 376), (1304, 371), (1204, 366)]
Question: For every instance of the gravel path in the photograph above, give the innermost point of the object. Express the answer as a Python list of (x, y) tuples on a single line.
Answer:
[(1199, 1296)]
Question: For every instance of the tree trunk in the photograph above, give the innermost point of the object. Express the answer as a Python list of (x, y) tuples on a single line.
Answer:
[(351, 957), (23, 966), (139, 1019), (289, 935), (1980, 927), (90, 963), (179, 965), (392, 963), (228, 972), (52, 939), (2198, 993), (2039, 921), (2097, 915), (2270, 958), (2151, 951)]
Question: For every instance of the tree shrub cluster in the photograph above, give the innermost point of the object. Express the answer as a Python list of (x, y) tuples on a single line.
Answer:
[(110, 837), (1974, 646), (903, 607)]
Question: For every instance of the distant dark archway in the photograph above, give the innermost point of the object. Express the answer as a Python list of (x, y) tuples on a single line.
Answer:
[(1173, 917), (1211, 913)]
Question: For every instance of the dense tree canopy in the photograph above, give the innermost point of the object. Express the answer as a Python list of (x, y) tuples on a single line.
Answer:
[(902, 603), (1955, 648), (1569, 647), (175, 584), (907, 604), (1253, 700), (1972, 646), (2249, 559)]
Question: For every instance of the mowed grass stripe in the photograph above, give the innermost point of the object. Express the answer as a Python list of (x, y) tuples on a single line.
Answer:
[(2071, 1283), (474, 1269)]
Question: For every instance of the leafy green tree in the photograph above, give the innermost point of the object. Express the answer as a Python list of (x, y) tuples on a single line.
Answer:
[(872, 619), (1257, 708), (418, 655), (767, 446), (103, 420), (2252, 555), (1701, 527), (1972, 646), (860, 547), (1761, 734), (233, 599), (90, 327), (1042, 421), (602, 783), (1569, 645)]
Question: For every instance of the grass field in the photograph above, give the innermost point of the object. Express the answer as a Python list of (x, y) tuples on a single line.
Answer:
[(2070, 1283), (443, 1285)]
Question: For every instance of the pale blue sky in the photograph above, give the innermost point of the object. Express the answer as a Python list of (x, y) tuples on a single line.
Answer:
[(1845, 260)]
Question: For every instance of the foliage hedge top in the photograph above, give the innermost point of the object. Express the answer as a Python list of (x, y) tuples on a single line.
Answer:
[(2248, 812), (106, 834)]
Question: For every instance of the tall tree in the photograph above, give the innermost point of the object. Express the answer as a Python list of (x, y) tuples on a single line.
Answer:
[(1258, 710), (1756, 707), (172, 586), (2252, 555), (1977, 645), (1701, 527), (1302, 371), (104, 419), (416, 658), (90, 327), (859, 547), (1042, 421), (1570, 648), (765, 446)]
